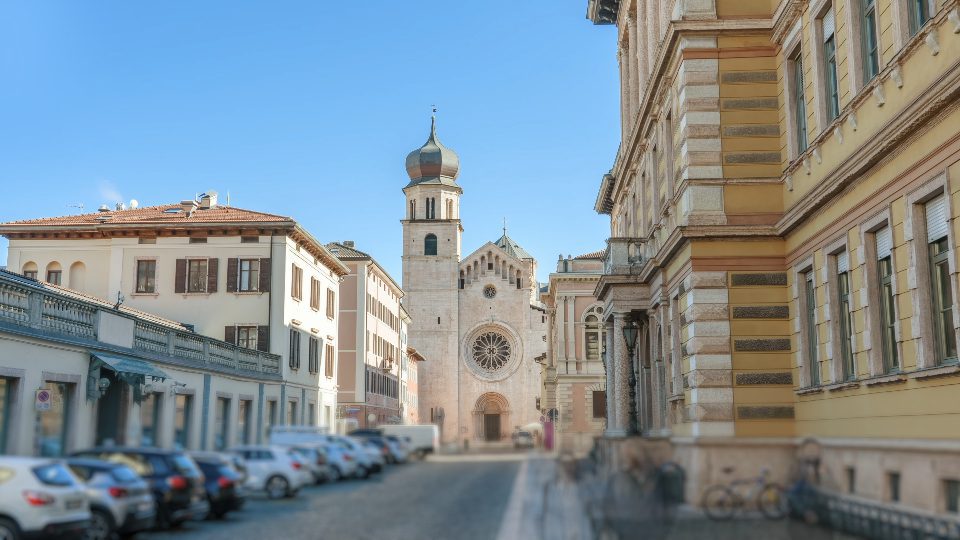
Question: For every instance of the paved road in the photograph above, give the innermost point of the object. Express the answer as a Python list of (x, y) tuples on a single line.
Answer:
[(458, 497)]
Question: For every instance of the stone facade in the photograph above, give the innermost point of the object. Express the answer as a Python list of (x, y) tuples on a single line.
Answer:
[(476, 319)]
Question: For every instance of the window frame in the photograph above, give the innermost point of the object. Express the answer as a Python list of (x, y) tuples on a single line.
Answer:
[(808, 358), (796, 145), (839, 309), (331, 304), (189, 278), (253, 276), (248, 329), (137, 284), (296, 282), (55, 277), (314, 293), (428, 240)]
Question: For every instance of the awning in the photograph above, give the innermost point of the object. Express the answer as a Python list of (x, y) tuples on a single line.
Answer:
[(130, 366)]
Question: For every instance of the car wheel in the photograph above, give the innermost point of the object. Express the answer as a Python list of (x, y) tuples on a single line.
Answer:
[(9, 530), (277, 487), (335, 474), (101, 526)]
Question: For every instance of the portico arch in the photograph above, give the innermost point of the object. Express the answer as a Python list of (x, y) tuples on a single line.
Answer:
[(491, 417)]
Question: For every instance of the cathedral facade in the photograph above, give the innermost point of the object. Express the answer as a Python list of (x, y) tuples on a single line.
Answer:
[(476, 318)]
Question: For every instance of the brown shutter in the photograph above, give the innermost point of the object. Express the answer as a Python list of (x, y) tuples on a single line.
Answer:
[(265, 275), (233, 269), (180, 280), (212, 275), (263, 338), (230, 334)]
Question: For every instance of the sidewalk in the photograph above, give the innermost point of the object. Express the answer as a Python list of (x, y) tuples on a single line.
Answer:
[(543, 506)]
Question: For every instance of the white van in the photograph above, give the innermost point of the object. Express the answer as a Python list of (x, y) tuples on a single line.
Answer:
[(424, 438), (293, 435)]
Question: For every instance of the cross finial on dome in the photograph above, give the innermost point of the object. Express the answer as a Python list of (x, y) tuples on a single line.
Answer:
[(504, 226)]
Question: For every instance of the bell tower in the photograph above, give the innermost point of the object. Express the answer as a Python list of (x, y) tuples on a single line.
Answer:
[(431, 260)]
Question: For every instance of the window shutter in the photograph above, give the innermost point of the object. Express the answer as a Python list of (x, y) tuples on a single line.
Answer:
[(263, 338), (936, 210), (180, 280), (843, 262), (884, 243), (230, 334), (212, 275), (829, 22), (233, 270), (265, 275)]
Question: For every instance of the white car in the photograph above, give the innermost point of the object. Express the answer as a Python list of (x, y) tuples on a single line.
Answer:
[(354, 457), (275, 469), (373, 452), (343, 461), (40, 497)]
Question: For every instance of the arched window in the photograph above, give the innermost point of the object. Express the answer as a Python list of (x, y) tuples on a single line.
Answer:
[(413, 209), (594, 334), (430, 244), (30, 270), (518, 280), (54, 273)]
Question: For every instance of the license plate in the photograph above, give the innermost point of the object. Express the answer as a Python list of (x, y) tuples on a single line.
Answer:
[(74, 504)]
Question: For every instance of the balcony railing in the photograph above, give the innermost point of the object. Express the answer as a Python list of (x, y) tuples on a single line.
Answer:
[(624, 256), (29, 305)]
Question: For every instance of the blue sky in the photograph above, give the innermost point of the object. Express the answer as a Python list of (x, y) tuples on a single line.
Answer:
[(309, 108)]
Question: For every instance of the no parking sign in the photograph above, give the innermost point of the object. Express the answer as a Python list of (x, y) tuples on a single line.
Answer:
[(43, 400)]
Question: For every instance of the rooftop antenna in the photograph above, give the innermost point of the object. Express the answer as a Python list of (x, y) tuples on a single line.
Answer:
[(504, 226), (76, 205), (228, 197)]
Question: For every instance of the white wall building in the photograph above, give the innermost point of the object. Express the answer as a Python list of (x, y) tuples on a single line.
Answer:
[(476, 319), (254, 279)]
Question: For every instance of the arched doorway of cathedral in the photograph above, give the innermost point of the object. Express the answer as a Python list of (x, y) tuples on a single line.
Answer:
[(491, 417)]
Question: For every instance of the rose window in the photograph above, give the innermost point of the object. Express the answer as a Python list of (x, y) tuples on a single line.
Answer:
[(489, 291), (491, 351)]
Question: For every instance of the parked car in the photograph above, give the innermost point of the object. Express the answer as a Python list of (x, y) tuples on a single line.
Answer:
[(315, 459), (277, 470), (523, 439), (349, 456), (176, 482), (425, 438), (376, 453), (342, 460), (120, 501), (398, 448), (40, 497), (223, 483)]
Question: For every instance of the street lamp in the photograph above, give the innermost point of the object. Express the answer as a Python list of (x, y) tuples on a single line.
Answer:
[(630, 331)]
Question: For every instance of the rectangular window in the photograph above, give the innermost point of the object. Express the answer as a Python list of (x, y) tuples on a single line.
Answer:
[(942, 301), (893, 486), (222, 424), (294, 360), (147, 276), (197, 275), (54, 422), (314, 294), (296, 282), (846, 317), (313, 355), (851, 474), (198, 240), (6, 405), (331, 304), (249, 239), (811, 323), (244, 411), (599, 404), (291, 413), (247, 337), (181, 421), (328, 367), (951, 492), (54, 276), (828, 26), (919, 14), (150, 420), (888, 315), (868, 36), (249, 275), (312, 410), (798, 101), (32, 274)]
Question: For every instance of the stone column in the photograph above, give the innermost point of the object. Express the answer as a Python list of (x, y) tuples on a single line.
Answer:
[(610, 376), (640, 53), (634, 91), (653, 31), (622, 59), (621, 377)]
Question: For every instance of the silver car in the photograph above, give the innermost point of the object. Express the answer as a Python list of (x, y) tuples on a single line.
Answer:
[(120, 501)]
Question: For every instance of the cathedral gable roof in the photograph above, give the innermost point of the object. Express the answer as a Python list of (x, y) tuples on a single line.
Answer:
[(512, 247), (490, 247)]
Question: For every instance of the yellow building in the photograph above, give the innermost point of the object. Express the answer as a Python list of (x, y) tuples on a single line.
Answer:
[(782, 234)]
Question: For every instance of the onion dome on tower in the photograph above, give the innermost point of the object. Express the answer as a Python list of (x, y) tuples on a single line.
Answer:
[(433, 163)]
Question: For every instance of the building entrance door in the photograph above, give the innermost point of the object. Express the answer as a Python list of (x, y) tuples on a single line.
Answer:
[(491, 427)]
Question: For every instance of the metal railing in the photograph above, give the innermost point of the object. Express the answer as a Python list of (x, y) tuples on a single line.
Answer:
[(57, 314)]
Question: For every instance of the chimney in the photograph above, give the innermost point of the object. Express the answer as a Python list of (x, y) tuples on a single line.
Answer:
[(348, 243), (188, 206), (103, 208), (208, 200)]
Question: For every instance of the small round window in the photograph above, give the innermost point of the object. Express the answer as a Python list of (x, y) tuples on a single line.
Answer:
[(489, 291)]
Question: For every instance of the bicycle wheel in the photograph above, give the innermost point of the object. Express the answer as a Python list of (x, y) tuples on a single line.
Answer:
[(718, 503), (772, 502)]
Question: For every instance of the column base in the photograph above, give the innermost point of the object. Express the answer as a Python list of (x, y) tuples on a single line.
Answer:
[(615, 433)]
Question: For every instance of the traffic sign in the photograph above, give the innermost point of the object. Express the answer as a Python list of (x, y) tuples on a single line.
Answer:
[(43, 401)]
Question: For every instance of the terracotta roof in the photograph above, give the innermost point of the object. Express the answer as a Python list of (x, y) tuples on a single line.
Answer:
[(593, 255), (345, 252), (164, 214), (84, 297)]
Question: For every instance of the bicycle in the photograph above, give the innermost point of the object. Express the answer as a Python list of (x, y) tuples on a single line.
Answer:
[(721, 501)]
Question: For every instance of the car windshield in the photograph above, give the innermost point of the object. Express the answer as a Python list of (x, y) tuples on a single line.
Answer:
[(185, 465), (124, 474), (54, 474)]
